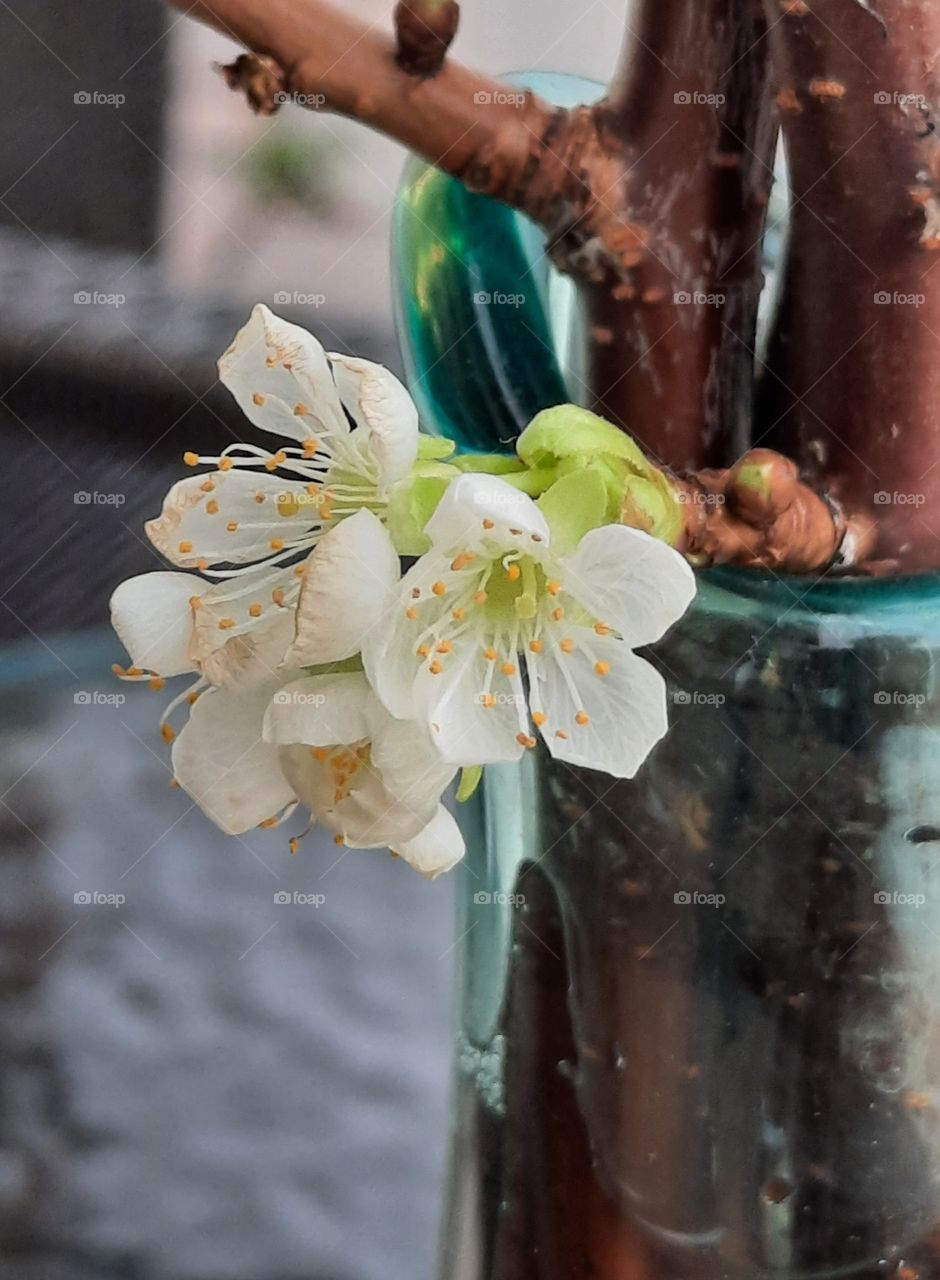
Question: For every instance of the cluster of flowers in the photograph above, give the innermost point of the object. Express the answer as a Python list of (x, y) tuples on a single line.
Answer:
[(324, 677)]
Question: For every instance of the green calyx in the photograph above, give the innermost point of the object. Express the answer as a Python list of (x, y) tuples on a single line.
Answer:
[(413, 501)]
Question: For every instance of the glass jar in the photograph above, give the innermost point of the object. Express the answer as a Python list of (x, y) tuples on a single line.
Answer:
[(699, 1034)]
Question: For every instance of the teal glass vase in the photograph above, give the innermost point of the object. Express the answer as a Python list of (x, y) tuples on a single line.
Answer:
[(699, 1022)]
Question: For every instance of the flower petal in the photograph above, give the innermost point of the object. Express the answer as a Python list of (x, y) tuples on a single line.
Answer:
[(438, 847), (153, 617), (512, 520), (410, 765), (466, 727), (253, 658), (279, 375), (634, 583), (221, 761), (233, 517), (320, 711), (609, 722), (380, 405), (347, 591)]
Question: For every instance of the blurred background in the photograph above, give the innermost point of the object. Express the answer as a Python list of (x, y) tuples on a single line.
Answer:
[(196, 1081)]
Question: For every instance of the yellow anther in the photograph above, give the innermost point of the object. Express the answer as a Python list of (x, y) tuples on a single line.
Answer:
[(254, 610), (444, 647), (207, 486), (167, 733), (191, 459), (299, 411), (232, 526), (458, 615), (226, 464), (276, 460), (185, 548), (435, 668), (225, 624), (202, 565), (525, 741), (438, 588), (487, 524), (257, 399), (320, 754), (118, 669), (582, 718), (422, 650), (212, 507), (411, 613), (259, 498), (277, 595), (553, 588), (133, 672), (489, 700), (277, 544), (313, 489), (480, 598), (195, 602), (267, 824), (461, 562), (416, 593), (490, 654), (513, 573), (535, 646), (601, 668), (298, 571), (538, 718), (558, 614), (560, 733), (191, 698), (310, 448), (566, 645), (157, 683), (293, 844), (602, 628), (339, 839), (508, 668)]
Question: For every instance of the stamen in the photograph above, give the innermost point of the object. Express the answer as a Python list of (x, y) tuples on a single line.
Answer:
[(558, 614), (525, 741), (207, 486), (277, 595), (157, 683), (560, 733), (458, 615), (195, 602), (275, 461), (232, 526), (489, 700), (490, 654), (320, 753), (513, 572), (487, 524), (480, 598), (225, 624), (277, 544), (254, 610), (582, 718), (212, 507), (566, 646), (444, 647), (299, 411), (439, 589), (226, 464), (538, 718), (535, 646), (553, 588), (411, 614), (602, 668), (339, 839), (267, 824), (293, 844), (257, 399), (185, 548), (191, 459), (167, 733), (435, 668), (508, 668), (259, 498), (422, 650), (602, 628)]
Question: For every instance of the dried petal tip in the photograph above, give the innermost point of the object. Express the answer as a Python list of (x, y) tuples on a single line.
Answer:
[(259, 79)]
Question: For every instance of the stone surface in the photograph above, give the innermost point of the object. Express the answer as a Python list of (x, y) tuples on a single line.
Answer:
[(201, 1083)]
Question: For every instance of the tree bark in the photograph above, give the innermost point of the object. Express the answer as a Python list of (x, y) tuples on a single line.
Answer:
[(853, 388)]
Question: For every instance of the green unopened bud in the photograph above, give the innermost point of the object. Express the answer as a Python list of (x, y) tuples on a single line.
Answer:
[(567, 432), (413, 501), (469, 781), (652, 505)]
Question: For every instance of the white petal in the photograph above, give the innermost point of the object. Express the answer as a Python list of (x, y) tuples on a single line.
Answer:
[(626, 709), (221, 761), (516, 523), (380, 405), (253, 658), (410, 765), (463, 728), (231, 608), (347, 591), (153, 617), (367, 817), (279, 375), (320, 711), (195, 523), (438, 847), (634, 583)]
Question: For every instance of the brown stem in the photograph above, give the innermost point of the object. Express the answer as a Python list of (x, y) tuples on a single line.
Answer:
[(854, 386), (689, 112)]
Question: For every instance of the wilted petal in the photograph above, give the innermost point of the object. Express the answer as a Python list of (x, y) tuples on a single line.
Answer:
[(233, 517), (280, 377), (346, 592), (222, 762), (380, 405), (153, 617), (252, 659)]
